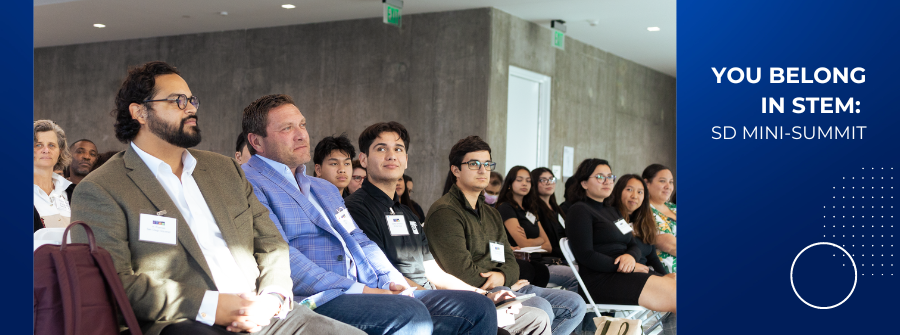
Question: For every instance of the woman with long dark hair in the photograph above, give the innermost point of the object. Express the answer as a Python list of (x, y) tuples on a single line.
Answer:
[(518, 204), (604, 246), (630, 197), (550, 215), (661, 187), (404, 193)]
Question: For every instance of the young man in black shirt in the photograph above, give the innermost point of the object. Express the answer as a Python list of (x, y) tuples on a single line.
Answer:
[(376, 208)]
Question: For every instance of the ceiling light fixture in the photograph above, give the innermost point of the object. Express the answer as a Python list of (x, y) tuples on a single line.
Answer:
[(99, 25), (288, 6), (652, 28)]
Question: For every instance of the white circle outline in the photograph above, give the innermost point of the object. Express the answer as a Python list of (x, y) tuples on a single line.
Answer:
[(854, 275)]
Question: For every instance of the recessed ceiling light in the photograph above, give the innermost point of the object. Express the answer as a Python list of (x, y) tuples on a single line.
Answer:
[(99, 25), (652, 28), (288, 6)]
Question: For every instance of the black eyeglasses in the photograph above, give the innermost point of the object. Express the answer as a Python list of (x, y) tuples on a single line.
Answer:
[(475, 165), (357, 178), (603, 179), (182, 101), (551, 180)]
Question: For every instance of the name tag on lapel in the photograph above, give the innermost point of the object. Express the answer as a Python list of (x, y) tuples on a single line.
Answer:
[(397, 225), (343, 217), (157, 229)]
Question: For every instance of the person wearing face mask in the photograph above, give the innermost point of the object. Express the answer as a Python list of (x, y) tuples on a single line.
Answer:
[(51, 202), (609, 259), (660, 186), (493, 190)]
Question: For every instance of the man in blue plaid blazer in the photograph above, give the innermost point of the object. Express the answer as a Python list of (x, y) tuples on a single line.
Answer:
[(336, 269)]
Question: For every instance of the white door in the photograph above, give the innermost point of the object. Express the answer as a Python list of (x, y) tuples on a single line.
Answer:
[(527, 119)]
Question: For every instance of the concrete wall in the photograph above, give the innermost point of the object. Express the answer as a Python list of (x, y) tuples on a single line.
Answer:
[(431, 75), (601, 104), (443, 75)]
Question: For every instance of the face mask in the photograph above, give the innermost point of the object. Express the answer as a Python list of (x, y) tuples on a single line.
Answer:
[(490, 199)]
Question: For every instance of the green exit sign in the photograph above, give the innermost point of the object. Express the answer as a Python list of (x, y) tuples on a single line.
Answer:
[(392, 11), (559, 40)]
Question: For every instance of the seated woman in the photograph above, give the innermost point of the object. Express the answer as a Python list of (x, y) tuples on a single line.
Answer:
[(492, 191), (356, 179), (605, 248), (518, 206), (549, 215), (629, 196), (405, 192), (51, 191), (660, 186)]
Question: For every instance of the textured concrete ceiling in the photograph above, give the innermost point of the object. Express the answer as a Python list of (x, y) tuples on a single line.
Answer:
[(615, 26)]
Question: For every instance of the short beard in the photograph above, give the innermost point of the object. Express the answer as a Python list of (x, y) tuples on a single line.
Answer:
[(175, 135), (75, 172)]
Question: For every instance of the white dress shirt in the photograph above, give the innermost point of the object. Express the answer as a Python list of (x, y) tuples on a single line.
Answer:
[(190, 202), (55, 203)]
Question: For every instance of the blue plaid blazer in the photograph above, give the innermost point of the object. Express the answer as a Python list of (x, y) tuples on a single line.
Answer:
[(316, 270)]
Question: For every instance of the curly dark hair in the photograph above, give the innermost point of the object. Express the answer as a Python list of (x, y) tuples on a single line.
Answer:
[(139, 85), (256, 115)]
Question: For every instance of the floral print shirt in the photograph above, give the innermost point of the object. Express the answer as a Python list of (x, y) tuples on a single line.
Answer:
[(666, 226)]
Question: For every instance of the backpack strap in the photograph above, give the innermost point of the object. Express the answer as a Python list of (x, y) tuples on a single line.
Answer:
[(108, 269), (71, 298)]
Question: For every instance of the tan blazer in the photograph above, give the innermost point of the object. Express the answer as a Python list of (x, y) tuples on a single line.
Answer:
[(166, 283)]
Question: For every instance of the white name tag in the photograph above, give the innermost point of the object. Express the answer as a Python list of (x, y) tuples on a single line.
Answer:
[(497, 254), (530, 217), (623, 226), (157, 229), (561, 221), (343, 217), (412, 224), (397, 225)]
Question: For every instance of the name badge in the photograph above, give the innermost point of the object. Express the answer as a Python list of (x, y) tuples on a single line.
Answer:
[(412, 224), (530, 217), (623, 226), (497, 254), (157, 229), (561, 221), (397, 225), (343, 217)]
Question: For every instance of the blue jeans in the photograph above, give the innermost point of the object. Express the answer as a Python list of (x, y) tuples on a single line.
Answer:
[(563, 276), (441, 312), (564, 307)]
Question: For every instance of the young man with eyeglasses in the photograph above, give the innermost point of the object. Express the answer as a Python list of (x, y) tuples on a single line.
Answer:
[(377, 209), (468, 240)]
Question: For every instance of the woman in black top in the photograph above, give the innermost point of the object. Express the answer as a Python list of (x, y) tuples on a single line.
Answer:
[(519, 208), (631, 198), (551, 217), (605, 248)]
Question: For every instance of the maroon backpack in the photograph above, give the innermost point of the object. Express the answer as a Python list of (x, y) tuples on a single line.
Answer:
[(76, 290)]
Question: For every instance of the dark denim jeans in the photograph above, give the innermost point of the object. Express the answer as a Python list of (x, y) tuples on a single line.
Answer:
[(441, 312)]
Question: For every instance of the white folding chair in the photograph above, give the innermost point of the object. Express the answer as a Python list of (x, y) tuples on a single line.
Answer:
[(50, 236), (649, 319)]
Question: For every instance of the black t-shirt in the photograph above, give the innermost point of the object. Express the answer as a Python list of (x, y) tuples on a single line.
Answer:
[(507, 211), (369, 207)]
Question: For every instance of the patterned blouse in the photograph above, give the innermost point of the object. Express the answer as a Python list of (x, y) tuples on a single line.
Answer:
[(666, 226)]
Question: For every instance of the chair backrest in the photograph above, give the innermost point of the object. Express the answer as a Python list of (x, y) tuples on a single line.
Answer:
[(52, 234), (567, 253)]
